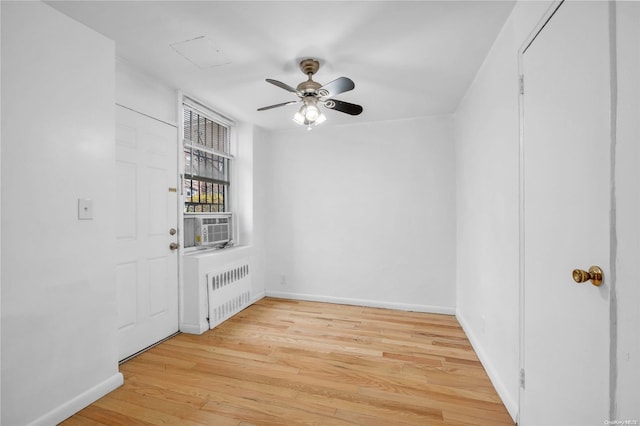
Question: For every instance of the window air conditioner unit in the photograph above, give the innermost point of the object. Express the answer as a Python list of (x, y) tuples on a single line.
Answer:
[(211, 231)]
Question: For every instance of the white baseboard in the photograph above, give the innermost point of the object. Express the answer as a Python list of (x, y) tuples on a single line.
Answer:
[(194, 328), (81, 401), (258, 296), (363, 302), (203, 326), (509, 402)]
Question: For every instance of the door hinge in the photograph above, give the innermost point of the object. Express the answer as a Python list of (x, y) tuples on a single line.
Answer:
[(522, 377), (521, 84)]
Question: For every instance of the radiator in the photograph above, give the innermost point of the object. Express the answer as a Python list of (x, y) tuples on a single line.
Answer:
[(228, 291)]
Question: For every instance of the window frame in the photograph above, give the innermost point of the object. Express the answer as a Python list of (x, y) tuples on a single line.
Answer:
[(192, 103)]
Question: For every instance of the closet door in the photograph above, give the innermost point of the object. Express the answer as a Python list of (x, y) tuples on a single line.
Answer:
[(566, 218)]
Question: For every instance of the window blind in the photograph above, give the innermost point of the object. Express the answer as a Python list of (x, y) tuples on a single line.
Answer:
[(207, 158)]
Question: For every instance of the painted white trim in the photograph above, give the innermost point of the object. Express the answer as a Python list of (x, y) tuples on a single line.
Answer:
[(147, 115), (363, 302), (613, 211), (258, 296), (546, 17), (204, 109), (187, 143), (542, 22), (180, 208), (509, 402), (81, 401), (194, 328)]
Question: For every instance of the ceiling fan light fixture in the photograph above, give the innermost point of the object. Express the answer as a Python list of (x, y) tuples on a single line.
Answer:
[(309, 113), (299, 115), (312, 113)]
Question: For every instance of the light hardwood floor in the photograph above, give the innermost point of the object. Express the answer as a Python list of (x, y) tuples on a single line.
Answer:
[(291, 362)]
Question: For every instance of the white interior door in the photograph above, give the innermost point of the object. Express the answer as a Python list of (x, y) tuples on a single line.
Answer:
[(566, 176), (147, 278)]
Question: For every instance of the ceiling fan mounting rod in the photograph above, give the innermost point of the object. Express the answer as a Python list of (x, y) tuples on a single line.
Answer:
[(309, 87)]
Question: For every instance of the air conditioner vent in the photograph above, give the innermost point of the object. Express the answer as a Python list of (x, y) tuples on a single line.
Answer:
[(212, 231)]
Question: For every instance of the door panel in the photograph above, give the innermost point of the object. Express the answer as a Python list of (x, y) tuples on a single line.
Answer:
[(126, 201), (146, 272), (566, 162)]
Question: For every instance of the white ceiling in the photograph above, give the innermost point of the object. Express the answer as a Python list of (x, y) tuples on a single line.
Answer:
[(407, 58)]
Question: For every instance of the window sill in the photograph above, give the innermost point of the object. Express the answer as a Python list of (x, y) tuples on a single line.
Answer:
[(206, 251)]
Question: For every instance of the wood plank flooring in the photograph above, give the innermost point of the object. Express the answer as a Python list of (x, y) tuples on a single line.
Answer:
[(292, 362)]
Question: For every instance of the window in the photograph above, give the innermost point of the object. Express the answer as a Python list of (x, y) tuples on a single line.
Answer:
[(207, 176), (207, 159)]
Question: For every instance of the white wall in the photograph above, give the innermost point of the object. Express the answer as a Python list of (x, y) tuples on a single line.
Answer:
[(250, 221), (243, 174), (58, 295), (0, 220), (260, 148), (142, 93), (487, 158), (628, 210), (362, 214)]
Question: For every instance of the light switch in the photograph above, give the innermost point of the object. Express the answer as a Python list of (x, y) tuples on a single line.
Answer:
[(85, 208)]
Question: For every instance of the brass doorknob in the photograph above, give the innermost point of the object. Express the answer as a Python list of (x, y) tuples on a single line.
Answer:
[(594, 275), (174, 246)]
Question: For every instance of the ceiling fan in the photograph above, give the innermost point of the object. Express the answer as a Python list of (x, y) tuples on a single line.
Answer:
[(312, 94)]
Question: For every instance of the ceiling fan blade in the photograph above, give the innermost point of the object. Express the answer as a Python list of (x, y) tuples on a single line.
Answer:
[(337, 86), (282, 85), (341, 106), (278, 105)]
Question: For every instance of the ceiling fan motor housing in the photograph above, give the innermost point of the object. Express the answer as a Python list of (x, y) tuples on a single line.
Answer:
[(309, 66), (309, 87)]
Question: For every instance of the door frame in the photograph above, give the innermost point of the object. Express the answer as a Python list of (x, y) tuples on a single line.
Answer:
[(611, 278)]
